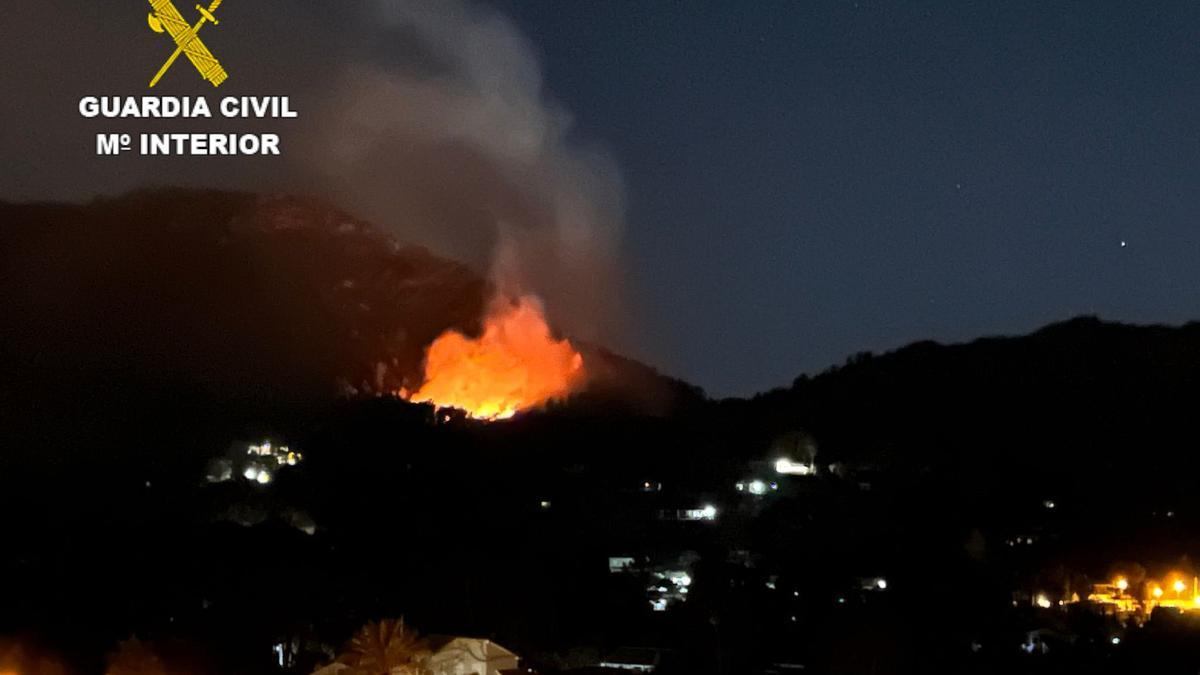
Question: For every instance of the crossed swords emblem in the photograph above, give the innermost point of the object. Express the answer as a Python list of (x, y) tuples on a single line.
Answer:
[(166, 18)]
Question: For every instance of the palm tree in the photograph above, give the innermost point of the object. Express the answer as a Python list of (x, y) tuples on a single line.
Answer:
[(386, 647)]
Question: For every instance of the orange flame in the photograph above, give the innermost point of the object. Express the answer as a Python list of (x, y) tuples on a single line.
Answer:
[(516, 364)]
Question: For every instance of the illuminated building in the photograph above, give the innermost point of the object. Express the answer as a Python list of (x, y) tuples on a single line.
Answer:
[(786, 466), (666, 581), (1122, 598), (259, 464), (452, 655), (756, 487), (872, 583), (1175, 591), (707, 512), (619, 564), (1112, 598)]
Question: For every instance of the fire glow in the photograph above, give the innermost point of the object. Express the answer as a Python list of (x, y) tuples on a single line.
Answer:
[(514, 365)]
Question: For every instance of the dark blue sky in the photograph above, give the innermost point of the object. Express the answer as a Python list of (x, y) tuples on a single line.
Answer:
[(808, 180), (804, 180)]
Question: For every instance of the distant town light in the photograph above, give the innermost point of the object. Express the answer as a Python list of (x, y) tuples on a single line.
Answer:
[(262, 456), (881, 583), (786, 466), (757, 487), (620, 563), (1116, 640), (1157, 592), (1042, 601), (707, 512), (1123, 584), (1179, 586)]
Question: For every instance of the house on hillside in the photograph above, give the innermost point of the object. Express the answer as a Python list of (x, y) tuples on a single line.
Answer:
[(455, 655)]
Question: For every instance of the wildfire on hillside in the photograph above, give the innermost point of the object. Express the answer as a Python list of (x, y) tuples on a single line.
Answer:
[(515, 364)]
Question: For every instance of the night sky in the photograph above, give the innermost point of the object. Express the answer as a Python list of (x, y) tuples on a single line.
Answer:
[(807, 180), (800, 181)]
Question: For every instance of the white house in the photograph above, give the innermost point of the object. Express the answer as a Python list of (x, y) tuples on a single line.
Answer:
[(453, 655)]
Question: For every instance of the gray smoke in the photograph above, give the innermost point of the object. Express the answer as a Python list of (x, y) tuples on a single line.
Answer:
[(427, 117), (461, 144)]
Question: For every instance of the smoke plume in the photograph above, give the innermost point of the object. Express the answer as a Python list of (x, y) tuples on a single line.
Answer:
[(429, 118), (461, 147)]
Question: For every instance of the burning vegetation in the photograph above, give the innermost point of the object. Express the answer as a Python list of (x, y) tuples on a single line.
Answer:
[(515, 364)]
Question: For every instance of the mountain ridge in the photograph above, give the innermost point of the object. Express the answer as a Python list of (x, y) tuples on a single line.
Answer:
[(237, 291)]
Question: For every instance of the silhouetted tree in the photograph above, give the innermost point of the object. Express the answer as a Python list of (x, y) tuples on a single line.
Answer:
[(386, 647)]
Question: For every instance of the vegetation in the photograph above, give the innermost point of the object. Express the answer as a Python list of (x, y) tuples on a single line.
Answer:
[(385, 647)]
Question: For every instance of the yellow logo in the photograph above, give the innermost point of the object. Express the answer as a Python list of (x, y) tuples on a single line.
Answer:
[(166, 18)]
